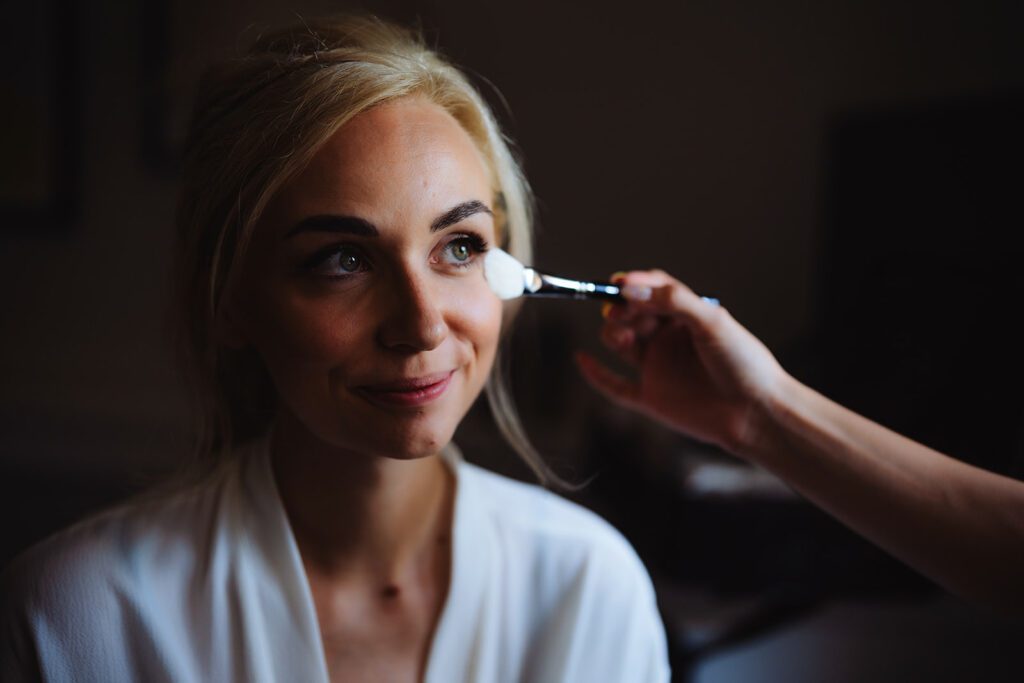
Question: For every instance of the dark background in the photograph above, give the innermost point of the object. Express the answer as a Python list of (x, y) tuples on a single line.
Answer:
[(846, 176)]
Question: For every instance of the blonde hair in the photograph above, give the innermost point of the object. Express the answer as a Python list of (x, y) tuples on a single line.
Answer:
[(259, 119)]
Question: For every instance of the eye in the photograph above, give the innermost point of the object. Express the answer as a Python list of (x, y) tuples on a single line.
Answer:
[(463, 250), (338, 261), (349, 261)]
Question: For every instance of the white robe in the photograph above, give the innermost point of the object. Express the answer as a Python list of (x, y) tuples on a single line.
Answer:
[(207, 584)]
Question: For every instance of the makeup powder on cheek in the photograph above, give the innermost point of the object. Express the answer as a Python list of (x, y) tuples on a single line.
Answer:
[(477, 308)]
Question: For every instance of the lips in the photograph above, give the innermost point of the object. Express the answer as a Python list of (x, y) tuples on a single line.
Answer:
[(407, 392)]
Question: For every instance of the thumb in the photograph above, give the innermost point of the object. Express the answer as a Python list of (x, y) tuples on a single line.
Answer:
[(660, 294), (612, 385), (678, 301)]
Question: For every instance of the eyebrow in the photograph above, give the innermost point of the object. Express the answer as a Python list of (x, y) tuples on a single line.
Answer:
[(349, 225), (353, 225), (459, 213)]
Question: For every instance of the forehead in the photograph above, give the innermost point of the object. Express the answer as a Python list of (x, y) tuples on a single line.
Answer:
[(408, 155)]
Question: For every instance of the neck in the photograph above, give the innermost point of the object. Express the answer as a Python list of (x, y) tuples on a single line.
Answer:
[(358, 516)]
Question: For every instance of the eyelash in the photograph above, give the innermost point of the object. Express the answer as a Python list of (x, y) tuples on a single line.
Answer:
[(476, 243)]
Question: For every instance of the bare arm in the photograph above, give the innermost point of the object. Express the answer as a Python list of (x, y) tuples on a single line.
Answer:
[(702, 373)]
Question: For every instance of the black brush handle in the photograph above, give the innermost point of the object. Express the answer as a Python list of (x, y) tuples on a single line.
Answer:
[(564, 288)]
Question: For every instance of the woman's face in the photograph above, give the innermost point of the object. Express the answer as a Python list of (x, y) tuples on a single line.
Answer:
[(363, 290)]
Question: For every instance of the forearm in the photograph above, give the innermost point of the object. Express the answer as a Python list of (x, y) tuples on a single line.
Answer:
[(959, 525)]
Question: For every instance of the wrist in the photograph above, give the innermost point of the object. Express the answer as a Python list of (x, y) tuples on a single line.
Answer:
[(764, 433)]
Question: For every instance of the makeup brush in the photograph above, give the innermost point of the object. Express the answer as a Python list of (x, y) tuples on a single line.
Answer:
[(510, 279)]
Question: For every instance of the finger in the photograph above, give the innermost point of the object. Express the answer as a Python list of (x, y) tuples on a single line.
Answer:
[(612, 385), (647, 278), (633, 281), (638, 325), (672, 298), (621, 339), (656, 290), (644, 325)]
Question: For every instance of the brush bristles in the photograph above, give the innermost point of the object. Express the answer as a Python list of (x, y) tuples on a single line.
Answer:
[(504, 274)]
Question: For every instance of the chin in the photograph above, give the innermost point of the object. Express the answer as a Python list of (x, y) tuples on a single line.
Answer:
[(407, 435), (421, 446), (419, 439)]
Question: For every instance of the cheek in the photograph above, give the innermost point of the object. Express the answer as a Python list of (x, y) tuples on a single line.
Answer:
[(289, 325), (477, 319), (298, 331)]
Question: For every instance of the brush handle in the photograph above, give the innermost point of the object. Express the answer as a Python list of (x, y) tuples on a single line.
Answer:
[(564, 288), (552, 286)]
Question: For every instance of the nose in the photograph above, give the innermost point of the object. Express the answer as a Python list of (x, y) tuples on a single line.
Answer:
[(414, 319)]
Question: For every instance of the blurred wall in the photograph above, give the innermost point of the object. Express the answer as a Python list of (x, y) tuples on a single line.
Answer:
[(687, 137)]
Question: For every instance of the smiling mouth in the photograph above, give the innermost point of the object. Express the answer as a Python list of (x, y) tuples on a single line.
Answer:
[(407, 393)]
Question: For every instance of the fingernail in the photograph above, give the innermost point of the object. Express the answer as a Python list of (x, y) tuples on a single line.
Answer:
[(636, 293), (711, 301), (606, 309)]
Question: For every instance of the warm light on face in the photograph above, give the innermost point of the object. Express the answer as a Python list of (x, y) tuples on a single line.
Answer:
[(364, 291)]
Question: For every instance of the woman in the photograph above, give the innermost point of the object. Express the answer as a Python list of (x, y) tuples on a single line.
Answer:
[(703, 374), (341, 185)]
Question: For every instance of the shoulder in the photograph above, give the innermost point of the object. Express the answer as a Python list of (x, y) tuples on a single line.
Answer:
[(541, 525), (105, 559), (572, 580)]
